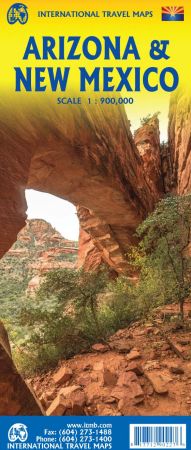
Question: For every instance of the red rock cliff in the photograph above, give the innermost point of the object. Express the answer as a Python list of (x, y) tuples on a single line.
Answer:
[(39, 248), (180, 141), (99, 243)]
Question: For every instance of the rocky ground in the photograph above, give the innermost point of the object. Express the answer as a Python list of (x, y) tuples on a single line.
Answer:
[(144, 370)]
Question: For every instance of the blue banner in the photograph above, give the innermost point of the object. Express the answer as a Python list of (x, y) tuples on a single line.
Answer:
[(91, 433)]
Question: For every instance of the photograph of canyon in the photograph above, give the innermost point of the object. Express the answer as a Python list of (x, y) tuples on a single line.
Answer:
[(100, 325)]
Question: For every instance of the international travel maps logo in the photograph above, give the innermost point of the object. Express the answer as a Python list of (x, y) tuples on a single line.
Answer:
[(172, 13), (19, 432), (17, 13)]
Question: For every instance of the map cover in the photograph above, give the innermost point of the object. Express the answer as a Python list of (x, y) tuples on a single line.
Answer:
[(95, 217)]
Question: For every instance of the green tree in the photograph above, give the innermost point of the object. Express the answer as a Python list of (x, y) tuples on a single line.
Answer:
[(165, 236), (145, 120), (62, 320), (77, 288)]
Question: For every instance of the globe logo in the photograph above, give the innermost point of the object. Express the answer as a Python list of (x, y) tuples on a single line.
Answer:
[(18, 432), (17, 13)]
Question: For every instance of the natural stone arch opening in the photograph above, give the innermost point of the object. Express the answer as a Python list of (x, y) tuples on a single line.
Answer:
[(60, 214), (84, 155)]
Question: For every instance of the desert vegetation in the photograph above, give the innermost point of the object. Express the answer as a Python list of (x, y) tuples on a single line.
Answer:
[(73, 309)]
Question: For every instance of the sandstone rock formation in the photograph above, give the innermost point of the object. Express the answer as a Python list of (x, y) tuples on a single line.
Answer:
[(88, 156), (16, 397), (89, 255), (39, 248), (98, 244), (180, 141), (147, 140), (166, 168)]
